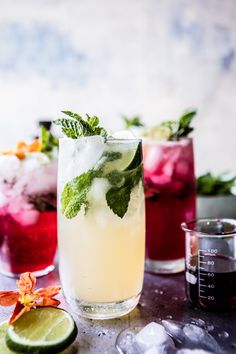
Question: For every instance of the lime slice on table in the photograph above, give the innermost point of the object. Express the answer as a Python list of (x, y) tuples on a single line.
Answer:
[(42, 330)]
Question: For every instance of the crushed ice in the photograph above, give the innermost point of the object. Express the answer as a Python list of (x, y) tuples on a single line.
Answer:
[(168, 337)]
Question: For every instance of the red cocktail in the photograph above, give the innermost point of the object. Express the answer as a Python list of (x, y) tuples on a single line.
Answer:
[(170, 200), (28, 221)]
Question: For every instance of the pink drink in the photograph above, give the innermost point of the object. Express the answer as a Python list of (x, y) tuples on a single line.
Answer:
[(170, 200), (28, 225)]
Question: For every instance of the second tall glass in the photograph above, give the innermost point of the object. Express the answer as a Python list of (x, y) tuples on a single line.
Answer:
[(101, 225), (170, 200)]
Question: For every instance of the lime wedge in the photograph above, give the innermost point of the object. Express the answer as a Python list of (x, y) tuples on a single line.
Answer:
[(3, 347), (42, 330), (157, 133), (128, 158)]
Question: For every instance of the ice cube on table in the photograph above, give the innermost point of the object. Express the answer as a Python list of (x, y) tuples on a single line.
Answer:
[(151, 335), (153, 350), (174, 329), (195, 335), (161, 349)]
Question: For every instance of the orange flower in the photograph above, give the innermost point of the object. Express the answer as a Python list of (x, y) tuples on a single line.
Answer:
[(22, 149), (26, 298)]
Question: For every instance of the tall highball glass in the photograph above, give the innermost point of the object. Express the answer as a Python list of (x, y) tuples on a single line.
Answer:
[(101, 225)]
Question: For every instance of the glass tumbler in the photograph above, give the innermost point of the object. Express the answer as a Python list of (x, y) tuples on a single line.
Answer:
[(101, 225), (28, 214), (211, 263), (170, 199)]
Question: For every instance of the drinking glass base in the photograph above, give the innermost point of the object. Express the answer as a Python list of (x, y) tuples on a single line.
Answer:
[(103, 311), (165, 267), (38, 274)]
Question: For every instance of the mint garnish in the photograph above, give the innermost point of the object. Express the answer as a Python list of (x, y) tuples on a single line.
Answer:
[(75, 193), (48, 141), (132, 122), (210, 185), (180, 128), (75, 126)]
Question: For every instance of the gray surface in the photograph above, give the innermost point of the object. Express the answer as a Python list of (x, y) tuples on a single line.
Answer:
[(163, 297)]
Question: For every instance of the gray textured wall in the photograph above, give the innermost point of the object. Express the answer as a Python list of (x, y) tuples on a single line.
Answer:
[(148, 57)]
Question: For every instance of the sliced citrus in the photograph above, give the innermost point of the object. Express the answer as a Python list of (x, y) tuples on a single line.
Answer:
[(42, 330)]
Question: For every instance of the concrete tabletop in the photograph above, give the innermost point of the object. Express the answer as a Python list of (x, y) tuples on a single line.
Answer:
[(163, 297)]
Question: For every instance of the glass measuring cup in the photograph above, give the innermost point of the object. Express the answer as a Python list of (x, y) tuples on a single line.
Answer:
[(211, 263)]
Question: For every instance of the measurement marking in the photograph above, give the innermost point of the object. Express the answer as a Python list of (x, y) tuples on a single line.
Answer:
[(201, 250), (202, 268), (203, 291), (202, 262), (202, 279), (203, 297), (204, 285)]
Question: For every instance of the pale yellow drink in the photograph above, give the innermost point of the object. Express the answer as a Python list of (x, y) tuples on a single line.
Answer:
[(101, 253)]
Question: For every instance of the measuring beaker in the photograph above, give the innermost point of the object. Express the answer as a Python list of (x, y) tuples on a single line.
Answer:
[(210, 268)]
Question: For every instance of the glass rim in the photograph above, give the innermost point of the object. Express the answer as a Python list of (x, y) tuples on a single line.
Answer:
[(111, 139), (185, 226), (147, 140)]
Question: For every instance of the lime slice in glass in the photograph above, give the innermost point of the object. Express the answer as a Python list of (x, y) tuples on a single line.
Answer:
[(42, 330), (128, 157)]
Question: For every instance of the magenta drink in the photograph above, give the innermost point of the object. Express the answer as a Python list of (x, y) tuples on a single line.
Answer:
[(170, 200), (28, 217)]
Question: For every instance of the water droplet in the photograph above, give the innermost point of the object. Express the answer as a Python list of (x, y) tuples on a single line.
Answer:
[(175, 298), (156, 291), (161, 292), (210, 328), (223, 334), (129, 336), (169, 317)]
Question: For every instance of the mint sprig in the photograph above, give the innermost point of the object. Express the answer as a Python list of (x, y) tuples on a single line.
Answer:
[(75, 126), (75, 193), (48, 141), (210, 185), (133, 122), (180, 128)]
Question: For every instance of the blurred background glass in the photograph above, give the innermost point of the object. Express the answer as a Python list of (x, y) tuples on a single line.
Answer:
[(146, 57)]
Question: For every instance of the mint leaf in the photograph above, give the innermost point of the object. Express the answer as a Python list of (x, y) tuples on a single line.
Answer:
[(74, 194), (180, 128), (75, 126), (92, 121), (116, 178), (123, 182), (184, 123), (132, 122), (72, 115), (118, 200), (48, 141), (69, 127), (209, 184), (112, 155)]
